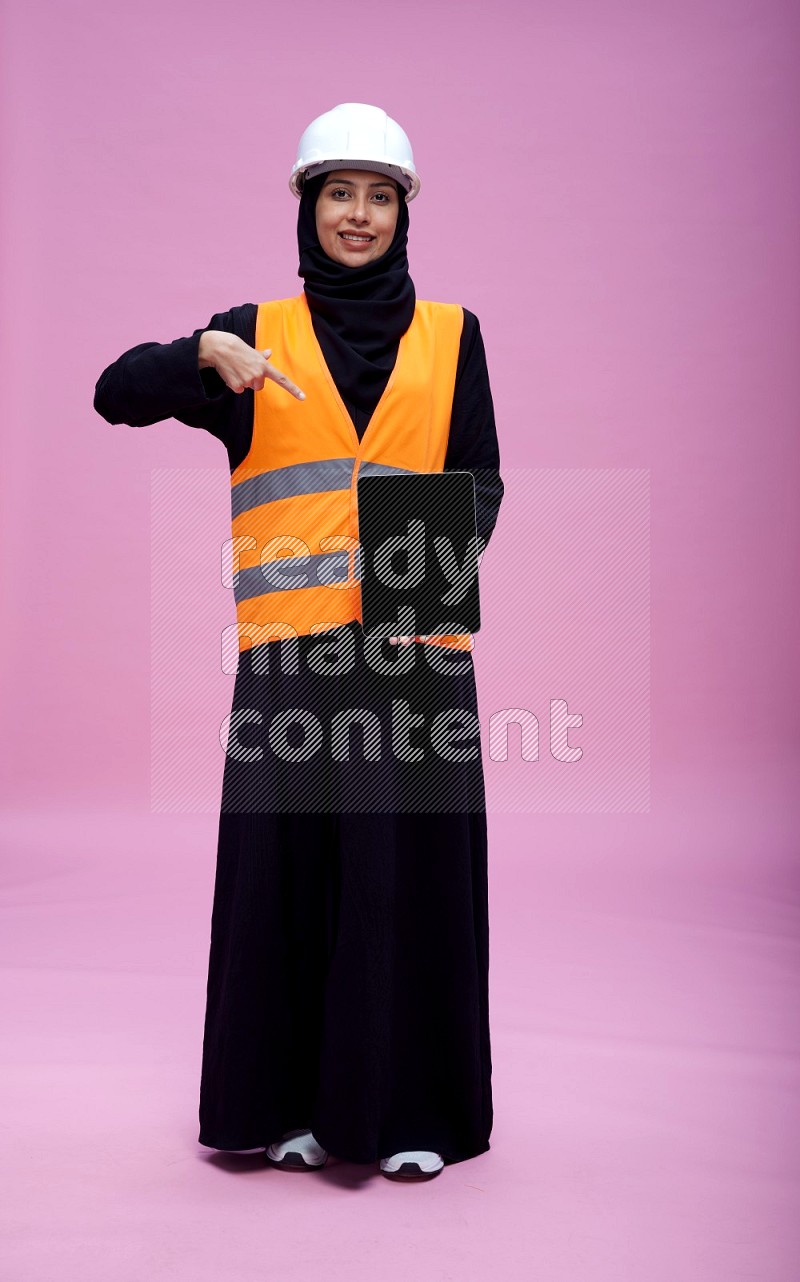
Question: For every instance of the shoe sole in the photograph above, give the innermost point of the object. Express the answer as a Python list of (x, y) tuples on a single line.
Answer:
[(294, 1161), (411, 1171)]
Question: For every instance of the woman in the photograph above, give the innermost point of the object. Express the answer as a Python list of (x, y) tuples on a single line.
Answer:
[(347, 1000)]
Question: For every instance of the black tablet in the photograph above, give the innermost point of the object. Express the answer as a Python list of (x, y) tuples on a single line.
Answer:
[(418, 552)]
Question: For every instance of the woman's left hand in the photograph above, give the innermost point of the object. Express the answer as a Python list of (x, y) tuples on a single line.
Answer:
[(408, 640)]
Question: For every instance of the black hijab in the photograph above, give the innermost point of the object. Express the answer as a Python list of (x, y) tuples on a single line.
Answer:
[(359, 314)]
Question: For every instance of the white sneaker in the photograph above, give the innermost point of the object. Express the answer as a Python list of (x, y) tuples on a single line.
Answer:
[(298, 1151), (412, 1162)]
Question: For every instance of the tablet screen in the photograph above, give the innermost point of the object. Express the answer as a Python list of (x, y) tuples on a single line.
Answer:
[(418, 552)]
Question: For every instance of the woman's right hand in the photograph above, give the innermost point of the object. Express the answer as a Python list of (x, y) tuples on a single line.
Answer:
[(239, 365)]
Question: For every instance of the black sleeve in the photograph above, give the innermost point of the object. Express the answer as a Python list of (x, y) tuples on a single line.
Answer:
[(156, 381), (472, 445)]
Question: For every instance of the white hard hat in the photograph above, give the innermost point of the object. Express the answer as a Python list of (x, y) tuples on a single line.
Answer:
[(355, 136)]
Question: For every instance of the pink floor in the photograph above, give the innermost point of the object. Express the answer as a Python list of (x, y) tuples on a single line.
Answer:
[(645, 1045)]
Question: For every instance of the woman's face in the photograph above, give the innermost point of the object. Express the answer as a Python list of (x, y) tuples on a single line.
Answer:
[(356, 214)]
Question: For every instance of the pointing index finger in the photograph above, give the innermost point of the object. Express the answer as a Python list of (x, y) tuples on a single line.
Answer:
[(278, 377)]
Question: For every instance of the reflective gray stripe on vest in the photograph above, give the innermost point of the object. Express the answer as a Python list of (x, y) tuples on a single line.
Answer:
[(289, 482), (382, 469), (289, 572), (301, 478)]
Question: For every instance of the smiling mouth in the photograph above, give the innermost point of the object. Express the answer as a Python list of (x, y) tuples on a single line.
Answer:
[(355, 238)]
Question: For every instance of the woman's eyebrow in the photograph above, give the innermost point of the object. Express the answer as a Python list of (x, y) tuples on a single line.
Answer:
[(350, 181)]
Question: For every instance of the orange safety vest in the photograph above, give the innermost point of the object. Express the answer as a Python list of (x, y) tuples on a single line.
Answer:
[(294, 506)]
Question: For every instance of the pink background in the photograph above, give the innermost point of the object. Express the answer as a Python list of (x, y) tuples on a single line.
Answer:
[(613, 189)]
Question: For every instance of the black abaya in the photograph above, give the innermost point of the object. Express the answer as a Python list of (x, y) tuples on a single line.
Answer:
[(347, 985), (349, 954)]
